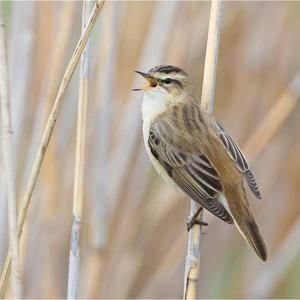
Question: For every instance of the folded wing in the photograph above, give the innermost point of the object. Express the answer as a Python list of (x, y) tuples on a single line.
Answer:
[(237, 155), (192, 172)]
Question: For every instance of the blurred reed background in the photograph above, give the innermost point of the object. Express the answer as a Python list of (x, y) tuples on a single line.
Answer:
[(134, 238)]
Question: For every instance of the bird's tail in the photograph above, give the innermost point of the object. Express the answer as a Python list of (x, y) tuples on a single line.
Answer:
[(244, 220), (252, 235)]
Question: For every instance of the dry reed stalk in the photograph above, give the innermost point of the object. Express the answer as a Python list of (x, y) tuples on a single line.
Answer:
[(130, 222), (51, 82), (108, 92), (9, 170), (20, 67), (48, 132), (192, 264), (274, 119), (74, 258), (106, 82)]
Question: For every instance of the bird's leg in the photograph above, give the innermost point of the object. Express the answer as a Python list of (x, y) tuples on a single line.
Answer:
[(193, 220)]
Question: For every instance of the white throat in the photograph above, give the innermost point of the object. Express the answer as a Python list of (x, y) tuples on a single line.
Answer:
[(154, 103)]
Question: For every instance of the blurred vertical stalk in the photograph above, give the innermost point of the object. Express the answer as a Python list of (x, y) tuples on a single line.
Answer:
[(108, 84), (100, 197), (22, 36), (192, 264), (48, 133), (9, 170), (51, 82), (74, 258)]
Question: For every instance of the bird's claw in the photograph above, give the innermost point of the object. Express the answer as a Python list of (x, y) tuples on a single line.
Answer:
[(192, 221)]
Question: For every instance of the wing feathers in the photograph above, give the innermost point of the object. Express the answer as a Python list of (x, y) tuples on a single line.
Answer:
[(241, 163), (198, 194), (194, 174), (252, 184), (205, 180)]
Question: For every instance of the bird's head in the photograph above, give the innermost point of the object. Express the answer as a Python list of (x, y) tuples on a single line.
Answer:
[(166, 80)]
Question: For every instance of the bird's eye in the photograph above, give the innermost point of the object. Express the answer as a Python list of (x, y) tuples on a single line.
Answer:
[(167, 81)]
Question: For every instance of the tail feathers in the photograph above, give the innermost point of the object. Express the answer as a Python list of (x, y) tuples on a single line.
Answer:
[(253, 237), (244, 220)]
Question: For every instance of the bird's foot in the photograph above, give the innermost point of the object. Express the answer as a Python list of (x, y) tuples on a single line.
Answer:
[(193, 220), (190, 224)]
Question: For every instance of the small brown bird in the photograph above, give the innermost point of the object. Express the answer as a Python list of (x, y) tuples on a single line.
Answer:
[(195, 153)]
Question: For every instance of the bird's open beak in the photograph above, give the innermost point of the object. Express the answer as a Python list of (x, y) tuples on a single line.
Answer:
[(152, 82)]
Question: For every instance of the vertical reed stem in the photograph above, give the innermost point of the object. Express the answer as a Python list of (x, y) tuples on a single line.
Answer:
[(192, 265), (211, 57), (9, 171), (74, 260)]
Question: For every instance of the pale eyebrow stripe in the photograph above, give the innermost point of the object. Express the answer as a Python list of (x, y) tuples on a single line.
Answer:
[(175, 76)]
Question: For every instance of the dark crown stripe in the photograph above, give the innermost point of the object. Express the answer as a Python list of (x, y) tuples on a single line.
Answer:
[(167, 69)]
